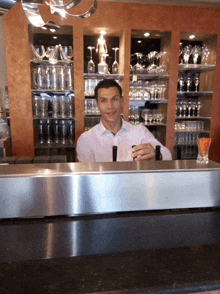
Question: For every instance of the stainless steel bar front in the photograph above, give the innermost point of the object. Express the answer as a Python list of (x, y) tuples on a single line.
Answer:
[(38, 190)]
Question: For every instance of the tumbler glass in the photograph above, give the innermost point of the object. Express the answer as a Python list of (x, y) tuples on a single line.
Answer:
[(36, 105), (203, 150), (44, 105), (63, 106), (70, 105), (55, 106)]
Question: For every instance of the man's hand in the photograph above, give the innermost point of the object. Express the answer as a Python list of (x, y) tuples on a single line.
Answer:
[(143, 152)]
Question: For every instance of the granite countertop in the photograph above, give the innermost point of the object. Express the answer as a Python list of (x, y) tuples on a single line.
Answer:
[(140, 252)]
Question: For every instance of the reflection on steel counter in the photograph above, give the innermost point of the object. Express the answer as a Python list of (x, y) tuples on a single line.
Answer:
[(96, 188)]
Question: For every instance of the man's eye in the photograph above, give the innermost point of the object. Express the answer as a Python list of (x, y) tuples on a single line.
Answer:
[(115, 99), (103, 101)]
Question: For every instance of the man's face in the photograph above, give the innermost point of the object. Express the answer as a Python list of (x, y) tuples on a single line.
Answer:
[(110, 104)]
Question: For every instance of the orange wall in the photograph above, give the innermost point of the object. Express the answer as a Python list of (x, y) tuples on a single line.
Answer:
[(119, 17)]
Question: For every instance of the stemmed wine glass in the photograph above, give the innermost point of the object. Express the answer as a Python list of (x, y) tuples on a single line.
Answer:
[(145, 114), (199, 105), (196, 51), (52, 53), (115, 64), (205, 53), (91, 65), (181, 80), (186, 53), (138, 68), (188, 81), (39, 52), (56, 131), (66, 52), (196, 81), (152, 67)]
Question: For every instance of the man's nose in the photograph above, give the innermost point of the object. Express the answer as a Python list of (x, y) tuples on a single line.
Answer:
[(109, 104)]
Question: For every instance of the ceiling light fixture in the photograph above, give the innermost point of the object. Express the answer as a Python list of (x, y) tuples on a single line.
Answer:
[(192, 37), (57, 7), (139, 41), (147, 34)]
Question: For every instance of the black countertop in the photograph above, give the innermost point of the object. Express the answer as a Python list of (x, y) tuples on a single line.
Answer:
[(140, 252)]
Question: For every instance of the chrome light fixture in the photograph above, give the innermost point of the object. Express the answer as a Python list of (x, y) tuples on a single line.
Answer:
[(57, 7)]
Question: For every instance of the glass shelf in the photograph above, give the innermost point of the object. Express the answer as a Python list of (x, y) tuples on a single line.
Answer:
[(159, 101), (149, 76), (53, 118), (196, 67), (154, 125), (198, 131), (48, 91), (193, 93), (103, 76), (59, 62), (193, 118)]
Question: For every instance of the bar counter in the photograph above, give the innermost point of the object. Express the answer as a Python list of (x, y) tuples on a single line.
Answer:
[(175, 249)]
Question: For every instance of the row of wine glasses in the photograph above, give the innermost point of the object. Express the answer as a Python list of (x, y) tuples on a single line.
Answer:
[(62, 105), (55, 132), (188, 107), (91, 107), (152, 116), (52, 53), (150, 63), (146, 90), (188, 82), (102, 66), (91, 121), (189, 126), (52, 77), (195, 52)]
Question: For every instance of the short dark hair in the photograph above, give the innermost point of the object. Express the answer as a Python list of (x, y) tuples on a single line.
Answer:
[(107, 83)]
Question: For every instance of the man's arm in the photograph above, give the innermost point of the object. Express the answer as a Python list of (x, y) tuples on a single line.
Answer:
[(84, 150)]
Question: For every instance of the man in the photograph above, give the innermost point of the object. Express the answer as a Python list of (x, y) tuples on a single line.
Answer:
[(97, 143)]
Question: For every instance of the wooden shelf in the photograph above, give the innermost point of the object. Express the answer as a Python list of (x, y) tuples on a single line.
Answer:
[(101, 76), (193, 118), (193, 93)]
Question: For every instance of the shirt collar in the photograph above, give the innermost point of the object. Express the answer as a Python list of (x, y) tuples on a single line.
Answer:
[(102, 129)]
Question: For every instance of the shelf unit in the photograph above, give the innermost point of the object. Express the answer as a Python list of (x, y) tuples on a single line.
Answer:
[(128, 18), (202, 93), (54, 133)]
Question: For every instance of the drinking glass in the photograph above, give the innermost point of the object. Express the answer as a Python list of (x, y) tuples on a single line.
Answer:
[(161, 116), (63, 132), (44, 104), (144, 115), (199, 106), (66, 53), (37, 105), (91, 65), (39, 52), (196, 51), (115, 64), (60, 77), (151, 57), (203, 150), (138, 68), (181, 80), (52, 53), (55, 106), (41, 132), (68, 76), (53, 77), (196, 81), (136, 113), (47, 77), (71, 132), (205, 54), (39, 80), (193, 107), (56, 131), (63, 106), (150, 117), (186, 53), (188, 81), (70, 105), (48, 132)]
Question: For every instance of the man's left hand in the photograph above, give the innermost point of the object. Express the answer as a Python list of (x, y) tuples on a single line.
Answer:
[(143, 152)]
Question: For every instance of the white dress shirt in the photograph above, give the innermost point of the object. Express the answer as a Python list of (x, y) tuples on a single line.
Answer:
[(96, 144)]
